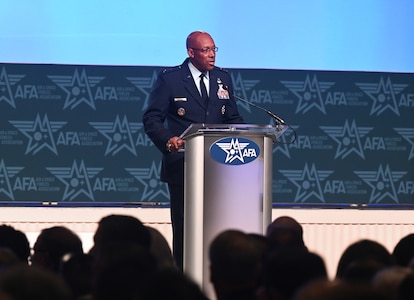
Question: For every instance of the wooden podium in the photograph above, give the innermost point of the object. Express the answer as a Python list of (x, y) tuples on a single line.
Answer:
[(228, 185)]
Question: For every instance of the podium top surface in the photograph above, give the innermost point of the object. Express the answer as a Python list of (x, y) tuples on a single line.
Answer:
[(275, 131)]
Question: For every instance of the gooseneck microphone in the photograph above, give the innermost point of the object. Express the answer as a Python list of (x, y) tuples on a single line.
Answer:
[(278, 120)]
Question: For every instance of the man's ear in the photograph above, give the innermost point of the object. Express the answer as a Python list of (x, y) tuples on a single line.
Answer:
[(190, 52)]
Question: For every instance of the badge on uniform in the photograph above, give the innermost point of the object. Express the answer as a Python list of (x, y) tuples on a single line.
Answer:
[(221, 92), (181, 111)]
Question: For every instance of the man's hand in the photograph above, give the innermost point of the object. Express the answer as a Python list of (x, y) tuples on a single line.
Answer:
[(174, 144)]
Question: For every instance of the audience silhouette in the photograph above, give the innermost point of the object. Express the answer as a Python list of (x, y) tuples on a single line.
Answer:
[(406, 288), (235, 265), (403, 252), (387, 281), (361, 260), (113, 229), (171, 284), (325, 289), (76, 271), (121, 258), (7, 258), (23, 282), (52, 245), (120, 269), (285, 231), (161, 250), (131, 261), (16, 241), (287, 269)]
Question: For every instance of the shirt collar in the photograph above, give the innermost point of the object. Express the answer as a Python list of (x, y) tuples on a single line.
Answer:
[(195, 72)]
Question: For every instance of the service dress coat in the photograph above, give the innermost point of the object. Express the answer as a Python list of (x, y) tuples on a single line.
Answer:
[(175, 103)]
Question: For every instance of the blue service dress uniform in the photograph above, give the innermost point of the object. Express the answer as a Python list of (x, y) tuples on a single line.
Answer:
[(174, 104)]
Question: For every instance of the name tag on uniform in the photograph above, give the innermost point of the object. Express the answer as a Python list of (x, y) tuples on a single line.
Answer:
[(180, 99)]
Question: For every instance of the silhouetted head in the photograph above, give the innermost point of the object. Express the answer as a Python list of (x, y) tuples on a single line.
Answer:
[(121, 228), (16, 241), (285, 232)]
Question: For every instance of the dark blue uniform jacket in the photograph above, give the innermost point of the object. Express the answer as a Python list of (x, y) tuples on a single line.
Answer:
[(175, 103)]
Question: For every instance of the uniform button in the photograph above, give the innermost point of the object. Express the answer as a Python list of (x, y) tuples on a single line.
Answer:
[(207, 113)]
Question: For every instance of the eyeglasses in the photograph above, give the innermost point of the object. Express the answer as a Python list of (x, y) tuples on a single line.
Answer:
[(206, 50)]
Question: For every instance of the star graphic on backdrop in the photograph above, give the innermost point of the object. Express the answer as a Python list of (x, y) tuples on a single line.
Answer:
[(309, 93), (75, 179), (150, 179), (383, 95), (77, 88), (381, 183), (144, 84), (5, 174), (348, 138), (118, 134), (39, 133), (408, 135), (283, 141), (307, 182), (6, 81), (241, 87)]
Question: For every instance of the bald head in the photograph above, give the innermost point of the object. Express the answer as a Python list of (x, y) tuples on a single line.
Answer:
[(202, 50), (193, 37)]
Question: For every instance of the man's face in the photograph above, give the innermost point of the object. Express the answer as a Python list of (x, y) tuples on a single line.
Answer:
[(201, 52)]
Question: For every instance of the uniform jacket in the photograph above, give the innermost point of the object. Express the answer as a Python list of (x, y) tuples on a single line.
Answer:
[(175, 103)]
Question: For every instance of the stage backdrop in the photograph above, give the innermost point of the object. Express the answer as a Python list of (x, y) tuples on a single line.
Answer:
[(72, 134)]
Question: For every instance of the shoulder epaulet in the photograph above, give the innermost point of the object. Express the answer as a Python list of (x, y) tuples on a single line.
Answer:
[(222, 69), (171, 69)]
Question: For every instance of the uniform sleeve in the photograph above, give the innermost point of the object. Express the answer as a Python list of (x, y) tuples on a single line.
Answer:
[(156, 113)]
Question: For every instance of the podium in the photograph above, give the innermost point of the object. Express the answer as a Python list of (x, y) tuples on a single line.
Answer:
[(227, 185)]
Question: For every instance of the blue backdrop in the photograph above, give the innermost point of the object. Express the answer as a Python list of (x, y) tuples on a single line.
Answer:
[(73, 134)]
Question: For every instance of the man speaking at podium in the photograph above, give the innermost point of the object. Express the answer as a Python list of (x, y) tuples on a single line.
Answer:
[(195, 92)]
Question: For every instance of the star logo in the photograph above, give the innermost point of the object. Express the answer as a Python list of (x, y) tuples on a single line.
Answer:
[(77, 88), (282, 146), (144, 84), (39, 133), (241, 87), (5, 174), (234, 150), (348, 138), (283, 142), (6, 81), (309, 93), (383, 95), (408, 135), (75, 179), (307, 182), (119, 134), (150, 180), (381, 183)]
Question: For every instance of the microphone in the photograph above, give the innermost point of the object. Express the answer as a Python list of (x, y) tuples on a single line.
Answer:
[(278, 120)]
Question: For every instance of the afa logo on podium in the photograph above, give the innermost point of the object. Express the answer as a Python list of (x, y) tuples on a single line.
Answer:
[(234, 151)]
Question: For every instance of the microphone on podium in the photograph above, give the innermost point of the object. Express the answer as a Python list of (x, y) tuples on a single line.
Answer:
[(278, 120)]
